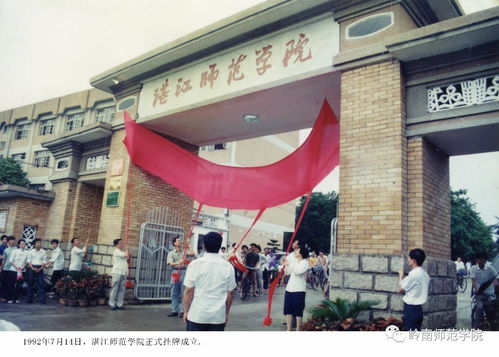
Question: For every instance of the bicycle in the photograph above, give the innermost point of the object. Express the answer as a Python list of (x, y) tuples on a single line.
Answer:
[(246, 283), (312, 280), (461, 283), (482, 308)]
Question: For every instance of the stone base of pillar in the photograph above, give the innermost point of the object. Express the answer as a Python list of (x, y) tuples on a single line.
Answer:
[(375, 277)]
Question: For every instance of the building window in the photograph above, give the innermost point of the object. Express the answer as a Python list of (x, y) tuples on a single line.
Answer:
[(19, 158), (105, 115), (38, 186), (97, 162), (127, 103), (3, 220), (2, 145), (47, 127), (62, 164), (22, 132), (221, 146), (74, 121), (370, 25), (42, 158)]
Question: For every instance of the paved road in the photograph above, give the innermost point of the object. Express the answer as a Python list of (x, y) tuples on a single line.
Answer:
[(464, 308), (245, 316)]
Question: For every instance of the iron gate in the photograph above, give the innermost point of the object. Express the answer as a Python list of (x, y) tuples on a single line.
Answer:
[(152, 277)]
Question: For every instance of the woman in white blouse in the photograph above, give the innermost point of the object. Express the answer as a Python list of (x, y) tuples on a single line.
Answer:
[(18, 260), (294, 298)]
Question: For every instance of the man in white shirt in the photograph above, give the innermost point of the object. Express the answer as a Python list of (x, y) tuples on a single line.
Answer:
[(119, 274), (209, 284), (264, 267), (482, 277), (57, 261), (37, 258), (415, 286), (460, 268), (77, 255)]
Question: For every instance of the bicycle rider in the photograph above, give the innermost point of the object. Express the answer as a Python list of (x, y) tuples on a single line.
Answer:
[(482, 277), (250, 261)]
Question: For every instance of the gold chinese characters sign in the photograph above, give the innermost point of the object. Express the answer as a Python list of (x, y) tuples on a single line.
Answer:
[(304, 49)]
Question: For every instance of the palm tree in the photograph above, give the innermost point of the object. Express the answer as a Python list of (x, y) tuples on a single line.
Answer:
[(338, 310)]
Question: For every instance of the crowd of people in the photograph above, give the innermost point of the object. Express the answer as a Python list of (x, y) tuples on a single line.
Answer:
[(18, 266), (202, 284)]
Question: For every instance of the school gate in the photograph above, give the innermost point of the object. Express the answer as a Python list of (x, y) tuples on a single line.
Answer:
[(412, 82)]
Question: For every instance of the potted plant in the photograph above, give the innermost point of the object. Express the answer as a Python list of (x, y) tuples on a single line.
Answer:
[(102, 282)]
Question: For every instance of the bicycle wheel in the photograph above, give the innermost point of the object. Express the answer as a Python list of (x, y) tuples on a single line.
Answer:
[(463, 285), (317, 282), (310, 282)]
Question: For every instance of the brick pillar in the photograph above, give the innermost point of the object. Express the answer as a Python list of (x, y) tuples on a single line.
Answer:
[(394, 195), (61, 210), (146, 192), (86, 212), (428, 198), (373, 165)]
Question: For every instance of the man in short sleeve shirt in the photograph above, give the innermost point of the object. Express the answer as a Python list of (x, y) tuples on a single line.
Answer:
[(482, 277), (209, 284), (415, 286)]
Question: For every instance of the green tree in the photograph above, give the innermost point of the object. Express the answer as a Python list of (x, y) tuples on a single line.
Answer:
[(315, 229), (469, 234), (11, 173)]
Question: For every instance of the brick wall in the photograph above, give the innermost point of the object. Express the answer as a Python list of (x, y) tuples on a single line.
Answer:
[(25, 211), (85, 217), (375, 277), (428, 199), (373, 166)]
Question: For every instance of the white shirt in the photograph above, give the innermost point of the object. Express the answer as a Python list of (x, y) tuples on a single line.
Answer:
[(416, 287), (211, 277), (58, 259), (120, 265), (482, 275), (265, 260), (37, 257), (459, 265), (19, 257), (76, 258), (297, 272)]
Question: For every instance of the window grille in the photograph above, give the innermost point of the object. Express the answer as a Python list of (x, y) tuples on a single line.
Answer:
[(47, 127), (22, 132), (19, 157), (74, 121), (97, 162), (29, 234), (105, 115), (42, 159)]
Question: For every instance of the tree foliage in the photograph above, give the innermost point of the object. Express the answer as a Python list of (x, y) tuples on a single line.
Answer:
[(469, 234), (11, 173), (315, 229)]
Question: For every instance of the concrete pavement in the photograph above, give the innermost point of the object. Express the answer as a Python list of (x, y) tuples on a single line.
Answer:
[(245, 316)]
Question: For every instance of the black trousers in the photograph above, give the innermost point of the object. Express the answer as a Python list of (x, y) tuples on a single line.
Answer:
[(194, 326), (56, 276), (265, 276), (413, 317)]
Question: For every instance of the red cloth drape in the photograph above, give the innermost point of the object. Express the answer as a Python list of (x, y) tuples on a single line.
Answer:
[(237, 187)]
